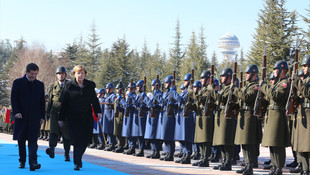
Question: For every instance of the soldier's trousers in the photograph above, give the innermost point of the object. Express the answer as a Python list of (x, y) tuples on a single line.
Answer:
[(120, 141), (277, 156), (249, 153), (205, 150), (195, 147), (170, 146), (227, 152), (141, 143), (111, 139), (305, 159), (131, 142), (53, 143), (155, 145)]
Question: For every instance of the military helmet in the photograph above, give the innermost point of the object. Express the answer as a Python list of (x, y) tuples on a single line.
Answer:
[(131, 86), (154, 82), (168, 79), (216, 82), (197, 84), (306, 60), (182, 87), (109, 86), (140, 83), (187, 77), (300, 73), (119, 86), (226, 72), (272, 77), (205, 74), (61, 69), (101, 91), (251, 68), (281, 64)]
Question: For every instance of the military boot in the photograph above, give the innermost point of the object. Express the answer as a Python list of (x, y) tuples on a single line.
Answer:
[(50, 152), (204, 163), (278, 172), (241, 170), (304, 173), (298, 169), (218, 166), (118, 150), (169, 157), (130, 151), (226, 167), (248, 170), (156, 155), (150, 155), (293, 164), (186, 160), (47, 133), (109, 148), (180, 159), (100, 146), (41, 135), (197, 163), (272, 170), (140, 153)]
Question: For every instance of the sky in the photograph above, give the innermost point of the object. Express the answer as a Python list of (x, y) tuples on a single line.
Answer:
[(55, 23)]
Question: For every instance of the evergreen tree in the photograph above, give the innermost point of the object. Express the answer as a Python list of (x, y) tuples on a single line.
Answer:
[(5, 54), (276, 29), (202, 56), (176, 54), (306, 40), (216, 64)]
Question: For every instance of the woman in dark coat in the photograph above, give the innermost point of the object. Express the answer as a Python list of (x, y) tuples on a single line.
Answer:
[(78, 98)]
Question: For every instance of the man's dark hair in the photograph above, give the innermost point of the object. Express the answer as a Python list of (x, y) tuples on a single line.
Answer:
[(32, 66)]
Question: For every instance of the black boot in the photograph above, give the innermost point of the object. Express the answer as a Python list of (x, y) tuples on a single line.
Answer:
[(150, 155), (179, 155), (204, 163), (241, 170), (304, 173), (197, 163), (47, 133), (169, 157), (226, 167), (156, 155), (186, 160), (298, 169), (95, 141), (118, 150), (140, 153), (278, 172), (248, 170), (109, 148), (130, 151), (293, 164), (41, 135), (218, 166), (272, 170), (180, 159)]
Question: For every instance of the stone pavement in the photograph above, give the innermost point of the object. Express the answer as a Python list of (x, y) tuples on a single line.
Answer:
[(139, 165)]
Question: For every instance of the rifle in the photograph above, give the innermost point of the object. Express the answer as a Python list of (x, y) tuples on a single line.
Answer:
[(291, 102), (188, 105), (156, 88), (241, 76), (144, 86), (116, 113), (127, 111), (258, 110), (170, 107), (209, 99), (231, 97)]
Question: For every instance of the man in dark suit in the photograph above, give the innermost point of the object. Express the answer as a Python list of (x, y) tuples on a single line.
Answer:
[(28, 104)]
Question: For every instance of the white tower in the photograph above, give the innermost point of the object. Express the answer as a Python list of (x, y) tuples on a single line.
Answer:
[(228, 43)]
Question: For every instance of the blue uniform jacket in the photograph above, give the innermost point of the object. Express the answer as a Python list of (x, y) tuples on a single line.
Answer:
[(108, 115), (139, 117), (129, 108)]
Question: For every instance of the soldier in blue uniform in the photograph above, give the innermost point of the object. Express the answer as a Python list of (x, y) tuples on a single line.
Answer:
[(184, 125), (127, 122), (108, 120), (169, 103), (152, 120), (101, 95), (139, 118)]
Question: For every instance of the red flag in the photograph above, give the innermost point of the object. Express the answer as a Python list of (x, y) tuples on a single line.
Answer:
[(7, 116), (94, 115)]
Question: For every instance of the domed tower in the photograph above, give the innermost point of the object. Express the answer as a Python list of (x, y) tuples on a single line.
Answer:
[(228, 43)]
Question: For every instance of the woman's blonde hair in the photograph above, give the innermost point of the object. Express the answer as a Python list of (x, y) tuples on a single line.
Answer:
[(79, 68)]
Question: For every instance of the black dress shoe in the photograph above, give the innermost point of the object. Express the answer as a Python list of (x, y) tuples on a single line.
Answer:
[(186, 160), (267, 162), (50, 152), (241, 170), (35, 167), (293, 164), (298, 169), (267, 167), (204, 163), (76, 167), (118, 150), (140, 154), (67, 158), (21, 165), (272, 170), (218, 166), (156, 156)]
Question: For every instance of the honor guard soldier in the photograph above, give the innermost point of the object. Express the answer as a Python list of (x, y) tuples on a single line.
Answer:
[(152, 120), (184, 124), (139, 118), (276, 134), (224, 127), (128, 119), (108, 118), (247, 124), (96, 127), (301, 141), (169, 103), (118, 118), (53, 109), (204, 121), (99, 124)]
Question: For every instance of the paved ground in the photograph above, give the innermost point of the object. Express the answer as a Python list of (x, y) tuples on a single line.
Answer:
[(139, 165)]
